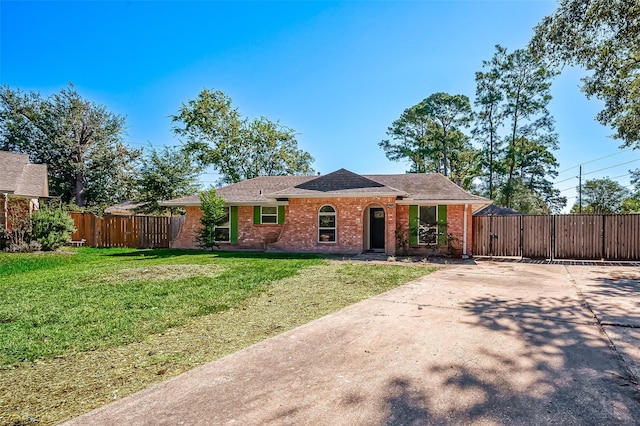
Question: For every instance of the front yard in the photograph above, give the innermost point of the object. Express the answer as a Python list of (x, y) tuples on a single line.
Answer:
[(81, 328)]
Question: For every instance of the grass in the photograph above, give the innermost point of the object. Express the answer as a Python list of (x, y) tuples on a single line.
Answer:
[(82, 328)]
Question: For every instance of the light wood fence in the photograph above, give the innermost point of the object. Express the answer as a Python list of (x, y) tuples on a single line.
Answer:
[(608, 237), (125, 231)]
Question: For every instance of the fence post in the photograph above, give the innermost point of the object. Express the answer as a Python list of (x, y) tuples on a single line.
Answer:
[(604, 224), (522, 236), (553, 236), (491, 236)]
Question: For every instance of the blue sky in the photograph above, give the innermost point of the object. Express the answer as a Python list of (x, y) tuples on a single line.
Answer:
[(337, 72)]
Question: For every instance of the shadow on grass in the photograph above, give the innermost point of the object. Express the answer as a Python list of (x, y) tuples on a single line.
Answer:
[(555, 368), (167, 253)]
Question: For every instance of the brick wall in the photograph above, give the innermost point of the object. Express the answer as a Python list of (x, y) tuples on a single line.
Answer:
[(455, 227), (300, 230), (187, 236), (255, 237)]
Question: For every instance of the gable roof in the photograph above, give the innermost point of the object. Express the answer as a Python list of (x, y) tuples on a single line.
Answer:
[(339, 183), (409, 188), (19, 177)]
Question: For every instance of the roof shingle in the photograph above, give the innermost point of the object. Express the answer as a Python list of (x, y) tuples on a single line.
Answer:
[(412, 187), (19, 177)]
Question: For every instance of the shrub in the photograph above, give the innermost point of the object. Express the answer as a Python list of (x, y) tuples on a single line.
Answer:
[(19, 221), (52, 228), (24, 247)]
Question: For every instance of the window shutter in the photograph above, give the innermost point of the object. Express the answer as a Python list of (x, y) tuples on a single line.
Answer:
[(413, 225), (280, 215), (256, 215), (233, 232), (442, 225)]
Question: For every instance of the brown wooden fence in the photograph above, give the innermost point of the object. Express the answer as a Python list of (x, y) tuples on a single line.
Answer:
[(125, 231), (609, 237)]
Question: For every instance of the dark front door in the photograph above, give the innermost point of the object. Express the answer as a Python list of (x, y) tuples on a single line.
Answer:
[(376, 228)]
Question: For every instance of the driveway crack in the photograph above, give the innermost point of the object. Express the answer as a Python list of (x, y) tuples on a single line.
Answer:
[(629, 373)]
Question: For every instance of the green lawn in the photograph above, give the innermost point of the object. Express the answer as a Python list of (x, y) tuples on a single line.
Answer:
[(51, 304), (86, 326)]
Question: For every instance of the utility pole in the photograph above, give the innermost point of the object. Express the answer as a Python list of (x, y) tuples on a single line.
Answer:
[(580, 190)]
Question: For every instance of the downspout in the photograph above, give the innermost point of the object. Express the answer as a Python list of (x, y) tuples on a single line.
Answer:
[(464, 233)]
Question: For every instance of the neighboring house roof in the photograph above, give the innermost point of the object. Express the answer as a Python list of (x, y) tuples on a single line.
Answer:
[(124, 207), (19, 177), (409, 188), (494, 210)]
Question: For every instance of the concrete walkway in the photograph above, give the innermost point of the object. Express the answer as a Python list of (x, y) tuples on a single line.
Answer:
[(489, 344)]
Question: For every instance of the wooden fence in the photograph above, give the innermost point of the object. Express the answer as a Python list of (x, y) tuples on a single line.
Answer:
[(609, 237), (125, 231)]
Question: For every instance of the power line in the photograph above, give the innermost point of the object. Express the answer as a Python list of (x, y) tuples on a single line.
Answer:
[(612, 178), (599, 170), (595, 159)]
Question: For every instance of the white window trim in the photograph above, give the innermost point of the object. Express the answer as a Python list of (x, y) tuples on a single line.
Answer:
[(262, 215), (228, 227), (426, 228), (334, 228)]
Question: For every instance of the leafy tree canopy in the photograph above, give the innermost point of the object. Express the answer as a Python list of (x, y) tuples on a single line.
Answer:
[(601, 196), (237, 147), (516, 132), (164, 175), (429, 136), (80, 141), (602, 36)]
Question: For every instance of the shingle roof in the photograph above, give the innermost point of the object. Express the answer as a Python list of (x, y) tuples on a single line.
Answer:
[(339, 183), (427, 187), (248, 191), (497, 211), (19, 177), (415, 187)]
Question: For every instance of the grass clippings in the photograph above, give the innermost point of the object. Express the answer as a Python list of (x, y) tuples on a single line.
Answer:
[(53, 389)]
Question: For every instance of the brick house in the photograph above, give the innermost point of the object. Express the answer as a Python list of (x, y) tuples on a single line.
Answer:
[(19, 179), (341, 212)]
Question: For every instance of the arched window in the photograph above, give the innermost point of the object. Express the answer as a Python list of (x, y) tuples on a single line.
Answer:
[(327, 224)]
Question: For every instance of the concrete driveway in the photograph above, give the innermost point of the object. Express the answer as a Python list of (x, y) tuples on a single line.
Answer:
[(490, 344)]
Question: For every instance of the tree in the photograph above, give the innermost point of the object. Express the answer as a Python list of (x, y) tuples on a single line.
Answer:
[(213, 213), (429, 136), (411, 135), (516, 132), (602, 196), (631, 204), (238, 148), (80, 141), (164, 175), (489, 120), (602, 36)]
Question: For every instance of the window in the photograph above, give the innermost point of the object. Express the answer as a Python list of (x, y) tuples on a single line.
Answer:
[(222, 228), (428, 225), (268, 214), (327, 224)]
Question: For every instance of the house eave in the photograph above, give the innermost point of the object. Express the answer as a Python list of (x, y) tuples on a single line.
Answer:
[(227, 204), (475, 204), (340, 195)]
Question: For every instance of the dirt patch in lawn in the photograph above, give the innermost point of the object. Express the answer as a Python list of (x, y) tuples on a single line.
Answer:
[(162, 273), (53, 390)]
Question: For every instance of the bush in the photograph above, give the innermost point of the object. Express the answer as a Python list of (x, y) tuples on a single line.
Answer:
[(24, 247), (52, 228)]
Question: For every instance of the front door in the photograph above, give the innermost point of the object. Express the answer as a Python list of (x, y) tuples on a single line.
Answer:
[(376, 229)]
